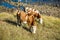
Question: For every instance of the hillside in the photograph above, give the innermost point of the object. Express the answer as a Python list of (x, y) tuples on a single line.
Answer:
[(49, 30)]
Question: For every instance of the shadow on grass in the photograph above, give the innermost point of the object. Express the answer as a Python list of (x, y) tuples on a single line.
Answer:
[(14, 23), (27, 29), (11, 22)]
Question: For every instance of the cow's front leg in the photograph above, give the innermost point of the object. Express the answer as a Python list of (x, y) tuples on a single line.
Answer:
[(17, 23), (34, 29)]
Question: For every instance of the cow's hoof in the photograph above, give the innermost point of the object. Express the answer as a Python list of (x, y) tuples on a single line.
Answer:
[(17, 25)]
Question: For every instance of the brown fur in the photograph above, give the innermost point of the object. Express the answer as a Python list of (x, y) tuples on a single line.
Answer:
[(34, 13), (30, 20), (21, 16)]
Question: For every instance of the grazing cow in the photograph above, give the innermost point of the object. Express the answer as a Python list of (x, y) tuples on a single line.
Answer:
[(22, 17), (36, 14)]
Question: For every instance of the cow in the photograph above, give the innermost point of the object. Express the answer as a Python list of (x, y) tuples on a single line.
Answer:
[(22, 17), (36, 14)]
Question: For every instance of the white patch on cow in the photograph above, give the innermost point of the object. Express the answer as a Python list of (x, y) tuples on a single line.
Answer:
[(26, 9), (41, 20), (30, 8), (17, 26), (34, 29), (18, 12), (25, 22), (33, 10), (37, 11)]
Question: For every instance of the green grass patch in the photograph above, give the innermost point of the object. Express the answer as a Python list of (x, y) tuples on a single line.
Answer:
[(49, 30)]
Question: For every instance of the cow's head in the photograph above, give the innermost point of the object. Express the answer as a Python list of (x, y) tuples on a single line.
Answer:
[(26, 9)]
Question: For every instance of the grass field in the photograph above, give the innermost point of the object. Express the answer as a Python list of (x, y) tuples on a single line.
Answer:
[(49, 30)]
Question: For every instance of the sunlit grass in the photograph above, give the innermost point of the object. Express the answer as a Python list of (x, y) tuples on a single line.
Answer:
[(49, 30)]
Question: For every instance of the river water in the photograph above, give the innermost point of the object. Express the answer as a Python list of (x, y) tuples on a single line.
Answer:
[(28, 1)]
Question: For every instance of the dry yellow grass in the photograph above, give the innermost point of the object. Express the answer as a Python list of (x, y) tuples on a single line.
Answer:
[(49, 30)]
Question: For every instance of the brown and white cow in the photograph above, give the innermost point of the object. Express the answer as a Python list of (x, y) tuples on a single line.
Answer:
[(22, 17), (36, 14)]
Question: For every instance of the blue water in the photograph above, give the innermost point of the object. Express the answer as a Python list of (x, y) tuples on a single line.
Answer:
[(15, 0), (40, 1), (27, 1), (5, 4)]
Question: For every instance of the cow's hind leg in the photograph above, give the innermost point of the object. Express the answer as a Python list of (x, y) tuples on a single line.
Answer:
[(18, 21)]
